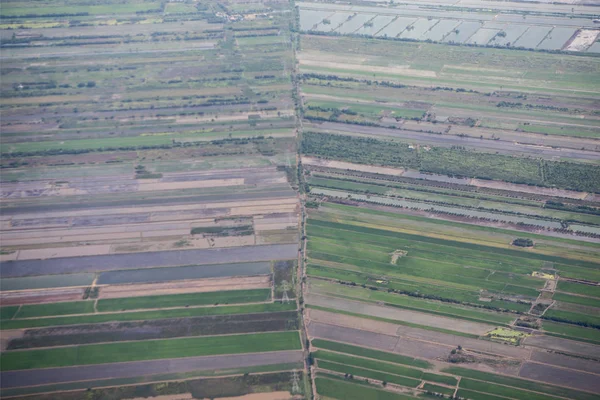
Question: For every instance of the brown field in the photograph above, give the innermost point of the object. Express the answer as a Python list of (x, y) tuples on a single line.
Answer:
[(194, 286), (351, 166), (40, 296)]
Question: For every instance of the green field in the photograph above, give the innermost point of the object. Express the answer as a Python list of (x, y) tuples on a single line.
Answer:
[(146, 315), (369, 374), (577, 288), (342, 360), (369, 353), (486, 378), (46, 310), (184, 300), (149, 350), (337, 389)]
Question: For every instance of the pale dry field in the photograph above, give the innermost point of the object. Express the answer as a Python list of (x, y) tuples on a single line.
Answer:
[(351, 166), (193, 286)]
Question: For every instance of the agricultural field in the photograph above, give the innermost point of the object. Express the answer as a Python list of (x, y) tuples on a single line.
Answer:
[(276, 200), (549, 29), (451, 217), (149, 216)]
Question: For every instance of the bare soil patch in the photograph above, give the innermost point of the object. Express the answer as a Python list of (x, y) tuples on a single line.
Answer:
[(351, 166), (318, 61), (528, 189), (194, 286), (40, 296)]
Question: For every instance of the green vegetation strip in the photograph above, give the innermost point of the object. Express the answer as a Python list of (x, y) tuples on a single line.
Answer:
[(45, 310), (146, 315), (590, 335), (578, 288), (487, 377), (438, 389), (182, 300), (8, 312), (150, 350), (338, 389), (382, 367), (490, 387), (364, 352), (584, 301), (453, 243), (471, 395), (367, 373)]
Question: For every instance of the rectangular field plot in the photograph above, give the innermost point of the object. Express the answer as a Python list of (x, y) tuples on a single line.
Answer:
[(47, 281), (377, 24), (417, 29), (184, 300), (442, 29), (181, 273), (148, 260), (353, 24), (483, 36), (151, 349), (395, 27), (334, 20), (508, 33), (310, 18), (557, 38), (533, 37), (463, 32), (595, 48)]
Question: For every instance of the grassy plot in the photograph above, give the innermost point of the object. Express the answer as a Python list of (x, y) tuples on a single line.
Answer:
[(183, 300), (368, 353), (376, 365), (494, 236), (573, 317), (147, 315), (339, 389), (487, 377), (578, 288), (416, 304), (492, 252), (8, 312), (490, 387), (573, 331), (438, 389), (367, 373), (64, 308), (150, 349), (581, 300)]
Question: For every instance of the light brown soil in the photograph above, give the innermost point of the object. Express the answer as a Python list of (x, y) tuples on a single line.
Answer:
[(352, 166), (7, 335), (353, 322), (528, 189), (193, 286), (313, 59), (40, 296), (34, 254)]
